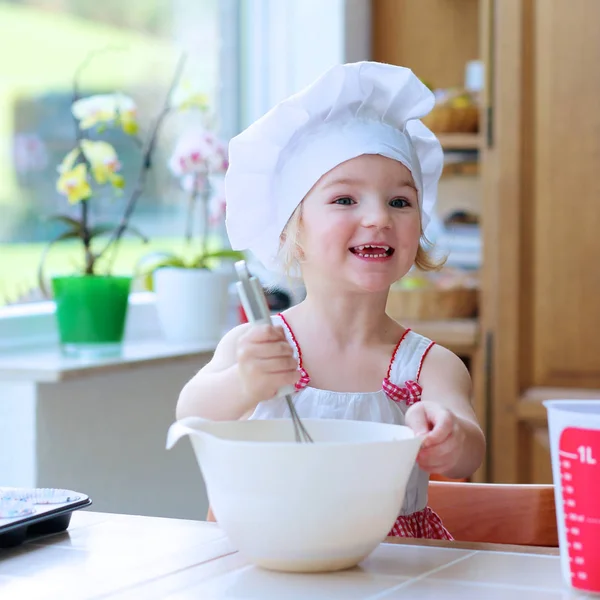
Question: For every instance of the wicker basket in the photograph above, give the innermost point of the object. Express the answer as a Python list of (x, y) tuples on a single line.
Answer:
[(432, 303), (447, 119)]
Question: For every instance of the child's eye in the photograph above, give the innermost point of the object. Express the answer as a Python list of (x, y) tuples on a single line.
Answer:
[(345, 201), (399, 202)]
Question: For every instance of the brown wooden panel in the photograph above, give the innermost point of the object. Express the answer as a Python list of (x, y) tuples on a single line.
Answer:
[(566, 277), (541, 463), (502, 315), (505, 514), (435, 38), (541, 218), (535, 465)]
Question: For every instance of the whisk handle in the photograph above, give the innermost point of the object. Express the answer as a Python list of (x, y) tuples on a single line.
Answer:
[(255, 306)]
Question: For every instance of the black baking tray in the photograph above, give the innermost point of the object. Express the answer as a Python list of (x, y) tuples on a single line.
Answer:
[(47, 519)]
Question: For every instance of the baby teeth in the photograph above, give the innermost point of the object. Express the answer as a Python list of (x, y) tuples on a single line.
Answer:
[(360, 249), (384, 248)]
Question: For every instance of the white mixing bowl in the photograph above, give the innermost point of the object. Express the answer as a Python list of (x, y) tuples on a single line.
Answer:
[(303, 507)]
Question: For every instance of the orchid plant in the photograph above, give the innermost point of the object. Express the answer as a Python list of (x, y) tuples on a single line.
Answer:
[(199, 162), (93, 166)]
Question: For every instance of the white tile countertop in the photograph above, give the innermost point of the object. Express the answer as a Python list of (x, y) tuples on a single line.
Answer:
[(120, 557)]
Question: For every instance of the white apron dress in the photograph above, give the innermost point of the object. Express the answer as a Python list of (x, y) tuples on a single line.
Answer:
[(400, 388)]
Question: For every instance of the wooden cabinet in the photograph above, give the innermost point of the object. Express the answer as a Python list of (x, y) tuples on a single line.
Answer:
[(540, 165), (435, 38), (542, 218)]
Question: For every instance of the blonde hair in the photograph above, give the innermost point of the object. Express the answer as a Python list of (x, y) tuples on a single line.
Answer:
[(291, 251), (424, 260)]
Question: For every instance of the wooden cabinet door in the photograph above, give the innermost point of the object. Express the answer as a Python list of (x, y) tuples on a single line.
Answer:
[(541, 221), (434, 38), (565, 200)]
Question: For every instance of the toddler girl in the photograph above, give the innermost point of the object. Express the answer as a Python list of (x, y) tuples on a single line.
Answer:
[(336, 184)]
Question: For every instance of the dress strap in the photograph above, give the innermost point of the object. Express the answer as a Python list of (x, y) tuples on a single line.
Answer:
[(401, 383), (395, 352), (304, 376)]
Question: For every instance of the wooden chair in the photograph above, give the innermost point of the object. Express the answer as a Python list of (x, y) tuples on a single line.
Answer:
[(496, 513), (493, 513)]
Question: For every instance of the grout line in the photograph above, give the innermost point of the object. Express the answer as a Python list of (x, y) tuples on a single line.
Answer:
[(508, 586), (536, 554), (130, 587), (420, 577), (484, 584)]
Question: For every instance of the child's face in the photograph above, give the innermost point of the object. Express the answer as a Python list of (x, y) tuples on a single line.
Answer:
[(367, 201)]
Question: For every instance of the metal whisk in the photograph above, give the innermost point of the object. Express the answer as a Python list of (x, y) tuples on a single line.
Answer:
[(256, 308)]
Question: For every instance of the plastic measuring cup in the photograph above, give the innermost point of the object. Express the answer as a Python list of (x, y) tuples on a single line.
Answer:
[(574, 428)]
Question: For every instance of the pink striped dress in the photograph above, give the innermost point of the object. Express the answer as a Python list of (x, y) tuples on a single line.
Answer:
[(399, 389)]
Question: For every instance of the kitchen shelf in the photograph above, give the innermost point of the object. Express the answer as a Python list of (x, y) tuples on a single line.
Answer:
[(459, 335), (460, 141), (530, 407)]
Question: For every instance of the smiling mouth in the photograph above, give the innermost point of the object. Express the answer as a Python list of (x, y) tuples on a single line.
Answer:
[(372, 251)]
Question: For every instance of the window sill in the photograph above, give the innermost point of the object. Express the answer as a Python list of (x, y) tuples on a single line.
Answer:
[(47, 364), (29, 349)]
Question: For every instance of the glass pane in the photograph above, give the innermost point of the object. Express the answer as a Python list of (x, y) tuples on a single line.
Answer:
[(133, 48)]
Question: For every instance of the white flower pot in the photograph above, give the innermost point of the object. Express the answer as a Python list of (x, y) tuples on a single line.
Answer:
[(191, 303)]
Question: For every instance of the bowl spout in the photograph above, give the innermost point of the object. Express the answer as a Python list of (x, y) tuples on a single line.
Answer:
[(195, 427)]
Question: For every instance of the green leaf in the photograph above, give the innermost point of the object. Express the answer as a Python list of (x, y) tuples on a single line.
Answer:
[(153, 260), (150, 263), (200, 261), (103, 228), (74, 224), (226, 253), (135, 231), (66, 235)]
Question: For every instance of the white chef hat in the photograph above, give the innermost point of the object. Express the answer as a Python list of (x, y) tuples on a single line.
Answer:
[(351, 110)]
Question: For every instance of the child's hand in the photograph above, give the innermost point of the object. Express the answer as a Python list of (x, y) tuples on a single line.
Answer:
[(444, 436), (265, 362)]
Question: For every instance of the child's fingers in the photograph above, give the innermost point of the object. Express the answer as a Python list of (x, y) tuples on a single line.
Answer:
[(430, 420), (264, 350), (437, 453), (264, 333), (277, 365), (437, 459), (443, 425), (416, 418), (279, 380)]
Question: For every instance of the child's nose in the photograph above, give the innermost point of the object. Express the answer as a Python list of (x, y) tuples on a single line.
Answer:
[(377, 215)]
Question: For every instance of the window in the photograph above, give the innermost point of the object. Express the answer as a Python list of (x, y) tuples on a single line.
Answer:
[(137, 45)]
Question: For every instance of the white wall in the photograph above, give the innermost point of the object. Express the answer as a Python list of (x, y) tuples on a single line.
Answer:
[(17, 434), (105, 435)]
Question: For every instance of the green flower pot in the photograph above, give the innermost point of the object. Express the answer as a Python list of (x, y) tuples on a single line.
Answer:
[(90, 312)]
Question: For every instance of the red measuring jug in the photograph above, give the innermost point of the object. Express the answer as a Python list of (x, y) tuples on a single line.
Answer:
[(574, 428)]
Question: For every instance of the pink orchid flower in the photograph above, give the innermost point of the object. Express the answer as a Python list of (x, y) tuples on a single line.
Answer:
[(198, 152)]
